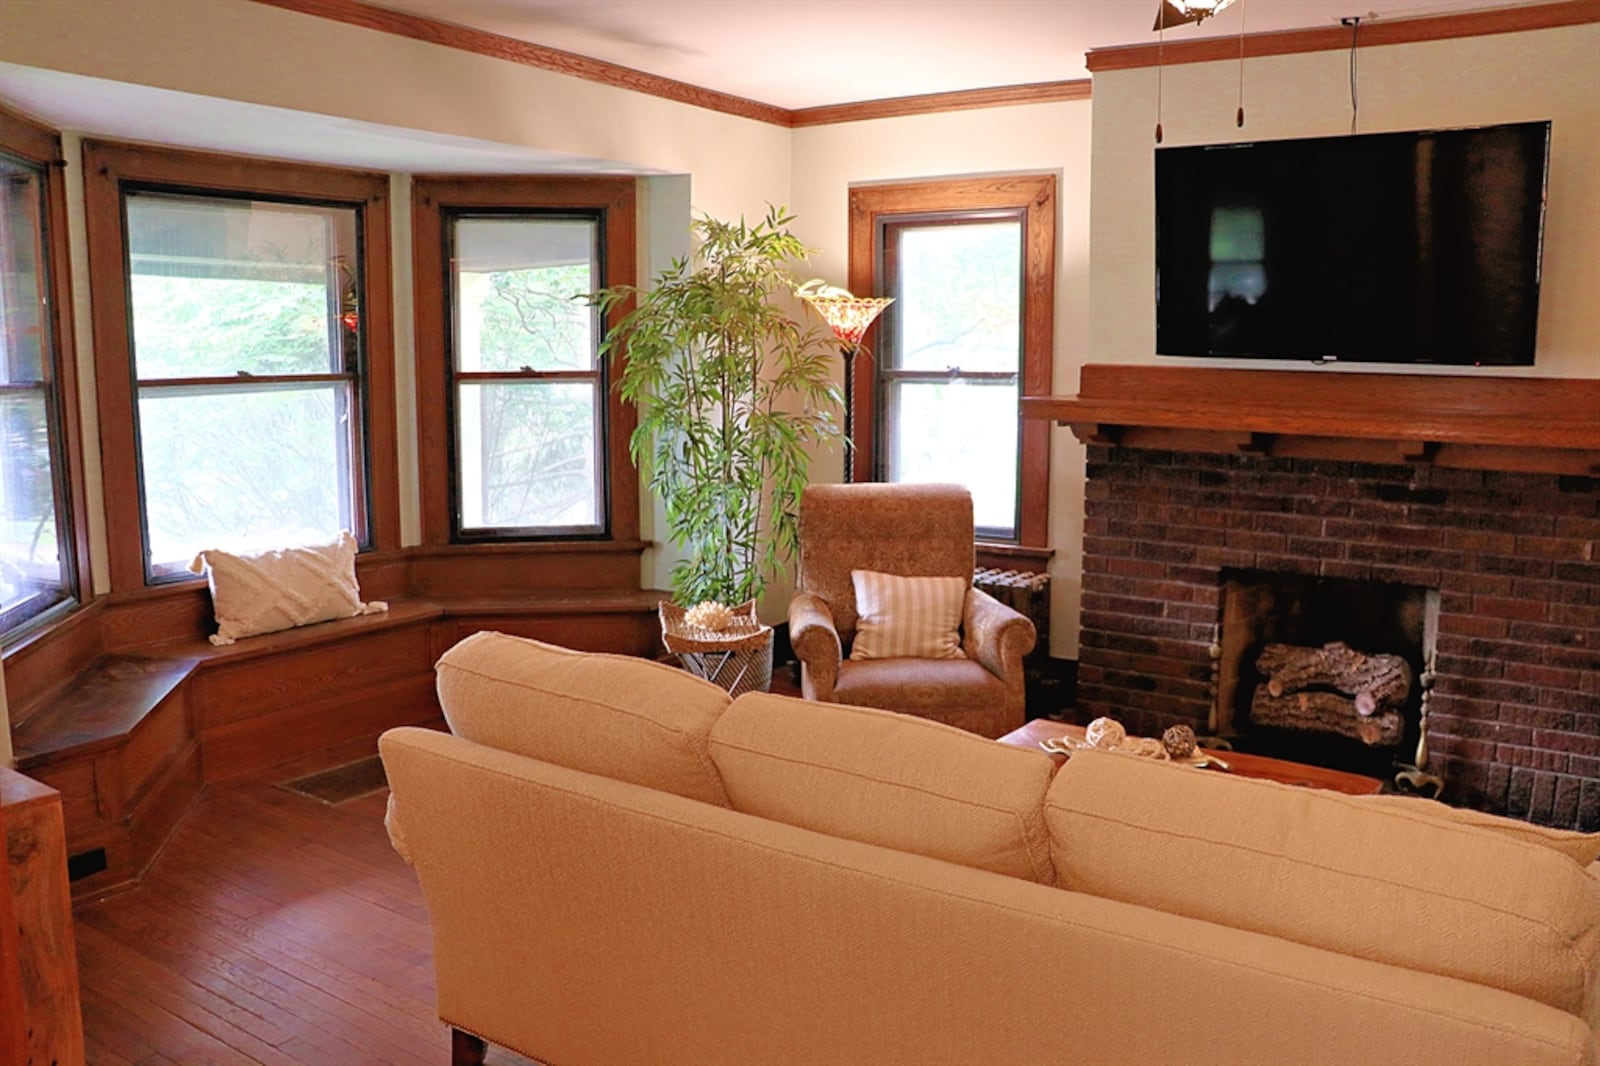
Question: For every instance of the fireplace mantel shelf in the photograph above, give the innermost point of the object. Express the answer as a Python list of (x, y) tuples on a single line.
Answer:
[(1549, 425)]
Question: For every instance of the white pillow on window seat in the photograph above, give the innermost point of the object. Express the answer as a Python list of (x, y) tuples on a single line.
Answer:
[(280, 589), (908, 617)]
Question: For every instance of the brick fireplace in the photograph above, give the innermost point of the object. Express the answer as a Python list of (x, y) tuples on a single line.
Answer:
[(1514, 713), (1186, 489)]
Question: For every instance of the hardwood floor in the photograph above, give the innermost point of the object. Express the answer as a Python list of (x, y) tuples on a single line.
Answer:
[(272, 929)]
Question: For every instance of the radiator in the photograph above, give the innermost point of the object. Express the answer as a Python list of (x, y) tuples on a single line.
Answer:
[(1025, 591)]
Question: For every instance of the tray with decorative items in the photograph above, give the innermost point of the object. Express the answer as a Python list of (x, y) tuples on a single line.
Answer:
[(1177, 744)]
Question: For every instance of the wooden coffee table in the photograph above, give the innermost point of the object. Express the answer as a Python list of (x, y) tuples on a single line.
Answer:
[(1239, 763)]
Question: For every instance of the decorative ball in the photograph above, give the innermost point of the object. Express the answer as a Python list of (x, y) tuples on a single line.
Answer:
[(709, 615), (1179, 740), (1105, 733)]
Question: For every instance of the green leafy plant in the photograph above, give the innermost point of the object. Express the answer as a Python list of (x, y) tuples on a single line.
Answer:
[(732, 394)]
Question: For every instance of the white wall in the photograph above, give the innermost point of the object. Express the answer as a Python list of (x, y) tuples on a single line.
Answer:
[(1543, 74), (1036, 138)]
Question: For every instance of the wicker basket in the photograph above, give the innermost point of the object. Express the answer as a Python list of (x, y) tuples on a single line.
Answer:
[(737, 658)]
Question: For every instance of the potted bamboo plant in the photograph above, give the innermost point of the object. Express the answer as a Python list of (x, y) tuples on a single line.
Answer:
[(733, 393)]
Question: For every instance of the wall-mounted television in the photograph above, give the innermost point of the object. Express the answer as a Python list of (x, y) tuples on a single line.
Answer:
[(1417, 247)]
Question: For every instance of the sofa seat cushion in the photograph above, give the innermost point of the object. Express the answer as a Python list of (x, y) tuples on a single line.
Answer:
[(1331, 871), (630, 719), (887, 779)]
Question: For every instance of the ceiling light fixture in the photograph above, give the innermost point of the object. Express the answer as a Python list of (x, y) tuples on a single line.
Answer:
[(1182, 12)]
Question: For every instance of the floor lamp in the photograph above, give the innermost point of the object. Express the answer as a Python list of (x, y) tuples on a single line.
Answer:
[(848, 316)]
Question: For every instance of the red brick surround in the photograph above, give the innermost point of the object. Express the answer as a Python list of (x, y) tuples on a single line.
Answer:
[(1514, 722)]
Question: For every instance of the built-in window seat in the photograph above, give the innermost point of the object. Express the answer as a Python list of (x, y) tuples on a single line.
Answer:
[(130, 730)]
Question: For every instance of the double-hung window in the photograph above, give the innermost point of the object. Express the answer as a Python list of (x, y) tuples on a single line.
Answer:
[(37, 569), (525, 380), (521, 438), (246, 327), (970, 264), (242, 332), (950, 359)]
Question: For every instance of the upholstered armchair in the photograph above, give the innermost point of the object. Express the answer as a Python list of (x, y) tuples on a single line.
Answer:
[(908, 531)]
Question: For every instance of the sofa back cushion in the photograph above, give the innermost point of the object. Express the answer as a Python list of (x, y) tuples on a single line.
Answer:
[(888, 779), (1582, 848), (629, 719), (1379, 882)]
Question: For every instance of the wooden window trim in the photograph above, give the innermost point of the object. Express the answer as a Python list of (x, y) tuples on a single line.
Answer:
[(1035, 196), (431, 197), (41, 145), (107, 166)]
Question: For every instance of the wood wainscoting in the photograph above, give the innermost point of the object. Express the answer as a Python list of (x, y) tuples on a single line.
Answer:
[(129, 712)]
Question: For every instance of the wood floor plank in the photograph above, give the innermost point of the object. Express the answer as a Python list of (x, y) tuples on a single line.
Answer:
[(273, 930), (242, 980)]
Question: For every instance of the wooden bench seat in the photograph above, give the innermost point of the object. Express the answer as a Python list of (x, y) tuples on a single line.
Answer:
[(130, 737)]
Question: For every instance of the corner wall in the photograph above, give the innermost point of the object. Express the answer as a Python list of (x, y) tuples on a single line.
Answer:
[(1035, 138)]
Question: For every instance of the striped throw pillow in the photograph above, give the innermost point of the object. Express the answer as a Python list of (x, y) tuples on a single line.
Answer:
[(907, 617)]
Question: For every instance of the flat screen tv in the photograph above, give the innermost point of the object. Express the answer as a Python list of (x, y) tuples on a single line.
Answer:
[(1418, 247)]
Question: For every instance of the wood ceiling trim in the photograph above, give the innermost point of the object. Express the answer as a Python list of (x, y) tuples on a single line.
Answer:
[(513, 50), (1333, 38), (934, 103)]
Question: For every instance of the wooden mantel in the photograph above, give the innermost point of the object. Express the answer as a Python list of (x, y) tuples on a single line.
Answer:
[(1549, 425)]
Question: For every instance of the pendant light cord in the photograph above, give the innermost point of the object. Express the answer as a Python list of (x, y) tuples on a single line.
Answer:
[(1354, 22), (1238, 118), (1161, 41)]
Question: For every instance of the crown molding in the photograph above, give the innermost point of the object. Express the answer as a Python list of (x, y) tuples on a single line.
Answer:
[(496, 46), (1337, 38), (932, 103)]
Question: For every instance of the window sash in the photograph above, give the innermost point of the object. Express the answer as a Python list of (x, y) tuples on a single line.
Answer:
[(252, 499), (970, 458), (30, 586), (481, 462)]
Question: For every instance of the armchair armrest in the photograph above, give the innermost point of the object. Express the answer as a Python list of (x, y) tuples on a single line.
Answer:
[(997, 636), (816, 644)]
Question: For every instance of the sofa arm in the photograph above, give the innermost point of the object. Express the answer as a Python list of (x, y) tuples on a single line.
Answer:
[(816, 644), (996, 636), (397, 836)]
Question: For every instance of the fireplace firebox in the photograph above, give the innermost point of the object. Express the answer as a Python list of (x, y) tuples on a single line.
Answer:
[(1324, 670)]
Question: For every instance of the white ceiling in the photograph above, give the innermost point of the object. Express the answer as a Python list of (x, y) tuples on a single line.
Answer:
[(808, 53)]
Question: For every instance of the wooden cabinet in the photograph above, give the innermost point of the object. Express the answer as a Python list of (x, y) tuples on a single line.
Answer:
[(46, 959)]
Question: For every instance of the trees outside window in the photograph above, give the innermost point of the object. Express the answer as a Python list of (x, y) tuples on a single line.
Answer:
[(243, 350), (39, 556), (520, 436), (526, 382), (951, 358), (246, 326)]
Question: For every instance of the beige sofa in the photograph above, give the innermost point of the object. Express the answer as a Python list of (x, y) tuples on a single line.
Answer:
[(623, 867)]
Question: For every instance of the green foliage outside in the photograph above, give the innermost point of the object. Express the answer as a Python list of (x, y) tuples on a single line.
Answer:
[(536, 464), (732, 393)]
